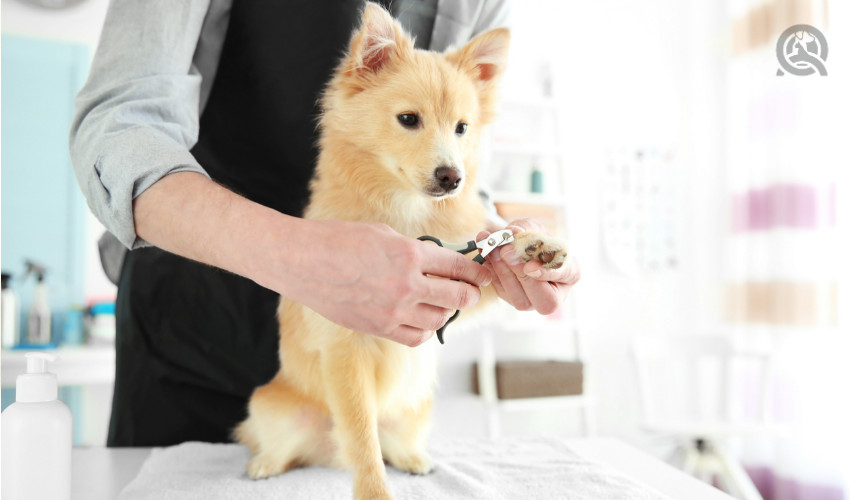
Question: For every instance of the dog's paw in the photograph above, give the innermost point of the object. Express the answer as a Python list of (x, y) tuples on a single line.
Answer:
[(260, 467), (415, 463), (371, 487), (548, 250)]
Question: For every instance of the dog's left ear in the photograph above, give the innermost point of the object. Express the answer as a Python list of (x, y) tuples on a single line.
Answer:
[(377, 43), (485, 56)]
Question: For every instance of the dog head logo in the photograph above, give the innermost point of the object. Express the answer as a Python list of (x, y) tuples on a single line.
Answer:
[(418, 114), (802, 50)]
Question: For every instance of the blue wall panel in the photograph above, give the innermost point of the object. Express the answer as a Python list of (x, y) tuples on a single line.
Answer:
[(43, 211)]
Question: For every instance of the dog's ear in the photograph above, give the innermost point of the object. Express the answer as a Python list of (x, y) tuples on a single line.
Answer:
[(484, 59), (379, 40), (485, 56)]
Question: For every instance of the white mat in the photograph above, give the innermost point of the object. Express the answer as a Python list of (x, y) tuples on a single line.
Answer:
[(518, 468)]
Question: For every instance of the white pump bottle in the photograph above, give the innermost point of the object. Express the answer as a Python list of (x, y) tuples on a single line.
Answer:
[(37, 437)]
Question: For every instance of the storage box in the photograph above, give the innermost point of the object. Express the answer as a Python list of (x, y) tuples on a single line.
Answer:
[(535, 379)]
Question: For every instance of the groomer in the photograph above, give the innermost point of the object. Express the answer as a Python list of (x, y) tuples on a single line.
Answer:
[(193, 142)]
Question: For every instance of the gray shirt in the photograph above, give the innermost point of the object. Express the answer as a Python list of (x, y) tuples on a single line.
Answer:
[(137, 117)]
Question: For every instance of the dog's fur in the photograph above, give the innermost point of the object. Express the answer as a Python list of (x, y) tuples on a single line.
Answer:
[(342, 398)]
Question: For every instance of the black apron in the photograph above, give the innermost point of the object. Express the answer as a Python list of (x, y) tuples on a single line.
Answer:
[(193, 341)]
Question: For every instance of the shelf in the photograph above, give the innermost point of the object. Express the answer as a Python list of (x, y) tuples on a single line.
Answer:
[(74, 365), (547, 403), (526, 198)]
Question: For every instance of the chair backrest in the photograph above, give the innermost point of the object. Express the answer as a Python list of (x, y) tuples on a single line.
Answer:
[(700, 378)]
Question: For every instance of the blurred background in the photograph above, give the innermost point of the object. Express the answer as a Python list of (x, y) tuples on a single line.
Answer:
[(702, 186)]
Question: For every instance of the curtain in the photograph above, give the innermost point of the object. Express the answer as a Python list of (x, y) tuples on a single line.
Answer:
[(784, 254)]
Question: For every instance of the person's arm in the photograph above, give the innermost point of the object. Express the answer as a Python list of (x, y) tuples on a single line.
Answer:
[(363, 276)]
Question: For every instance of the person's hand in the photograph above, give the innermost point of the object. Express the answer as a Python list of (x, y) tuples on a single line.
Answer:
[(528, 285), (369, 278)]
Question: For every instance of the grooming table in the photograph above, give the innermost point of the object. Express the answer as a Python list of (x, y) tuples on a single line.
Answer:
[(597, 467)]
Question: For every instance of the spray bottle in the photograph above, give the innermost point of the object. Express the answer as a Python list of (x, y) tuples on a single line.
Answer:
[(37, 437), (38, 331)]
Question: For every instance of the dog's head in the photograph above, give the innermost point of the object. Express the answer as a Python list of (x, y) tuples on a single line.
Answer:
[(418, 114)]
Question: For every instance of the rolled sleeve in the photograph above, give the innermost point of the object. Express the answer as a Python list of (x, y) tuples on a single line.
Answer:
[(137, 115)]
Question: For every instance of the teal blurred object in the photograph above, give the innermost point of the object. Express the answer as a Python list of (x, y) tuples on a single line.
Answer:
[(72, 331), (35, 347), (43, 210), (536, 181), (7, 397), (103, 308)]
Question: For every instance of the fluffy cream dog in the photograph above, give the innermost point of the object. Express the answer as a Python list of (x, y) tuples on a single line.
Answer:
[(399, 143)]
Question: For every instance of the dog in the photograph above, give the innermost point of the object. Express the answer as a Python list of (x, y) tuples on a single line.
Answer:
[(399, 135)]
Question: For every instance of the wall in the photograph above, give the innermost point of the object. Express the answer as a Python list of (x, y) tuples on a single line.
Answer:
[(43, 211), (81, 24)]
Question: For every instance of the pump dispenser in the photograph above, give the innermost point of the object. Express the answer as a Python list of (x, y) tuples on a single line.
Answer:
[(36, 436)]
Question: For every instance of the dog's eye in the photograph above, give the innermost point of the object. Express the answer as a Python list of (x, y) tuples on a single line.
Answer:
[(409, 120), (460, 129)]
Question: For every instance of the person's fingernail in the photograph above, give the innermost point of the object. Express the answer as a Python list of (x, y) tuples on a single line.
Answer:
[(535, 274), (496, 256)]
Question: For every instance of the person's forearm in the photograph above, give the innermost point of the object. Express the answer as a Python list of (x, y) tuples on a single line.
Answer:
[(188, 214)]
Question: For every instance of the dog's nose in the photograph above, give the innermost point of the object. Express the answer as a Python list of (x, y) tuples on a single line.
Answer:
[(448, 177)]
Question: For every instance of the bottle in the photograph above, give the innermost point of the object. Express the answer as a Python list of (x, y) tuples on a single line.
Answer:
[(536, 180), (37, 437), (9, 315), (38, 330)]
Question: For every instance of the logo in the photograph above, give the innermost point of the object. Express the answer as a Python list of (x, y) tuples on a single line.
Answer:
[(802, 50)]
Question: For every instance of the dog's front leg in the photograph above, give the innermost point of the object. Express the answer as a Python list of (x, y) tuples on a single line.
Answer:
[(349, 374)]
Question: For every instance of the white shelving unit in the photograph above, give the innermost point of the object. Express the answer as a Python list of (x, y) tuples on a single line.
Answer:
[(536, 144)]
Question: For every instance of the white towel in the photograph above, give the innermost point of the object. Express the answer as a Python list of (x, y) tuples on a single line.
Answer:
[(516, 468)]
